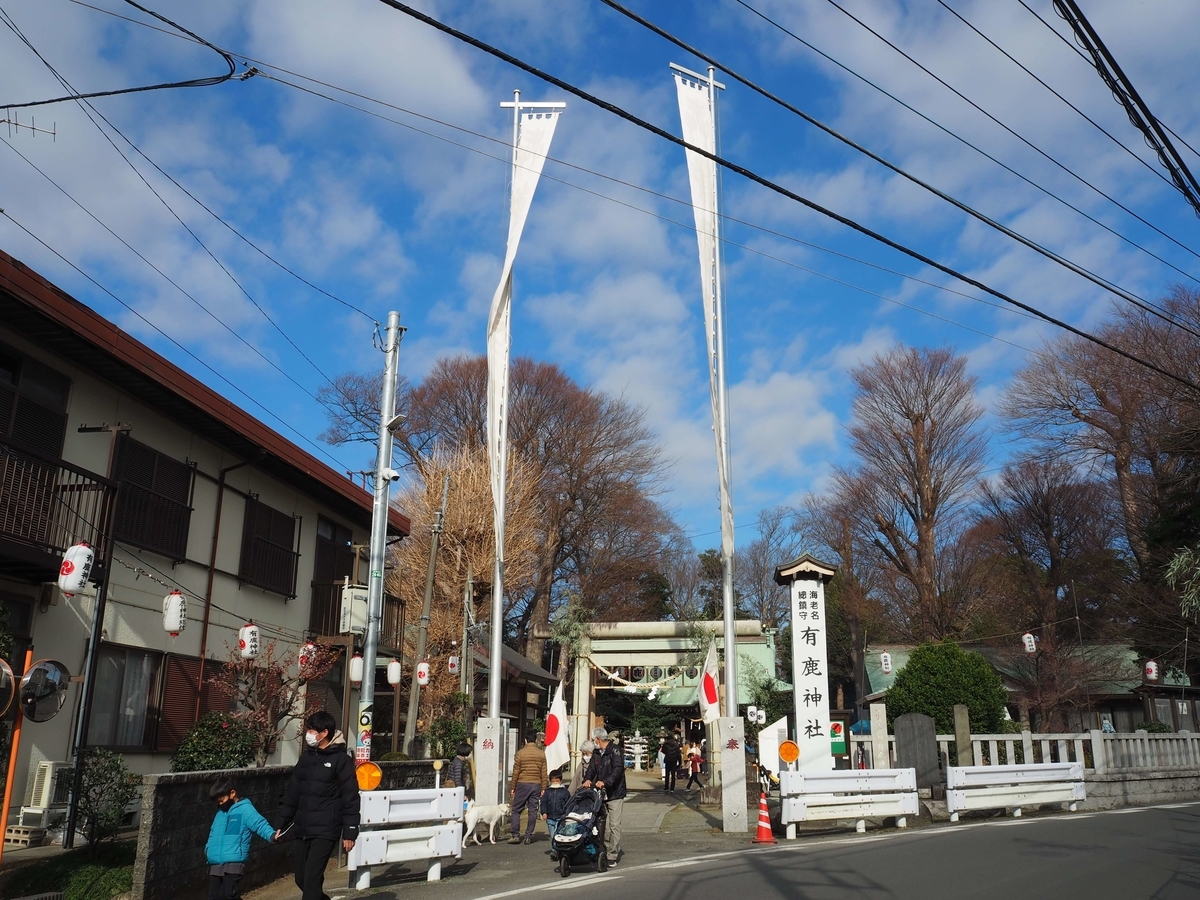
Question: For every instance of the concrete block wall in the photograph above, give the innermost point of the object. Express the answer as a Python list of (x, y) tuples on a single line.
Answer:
[(176, 815)]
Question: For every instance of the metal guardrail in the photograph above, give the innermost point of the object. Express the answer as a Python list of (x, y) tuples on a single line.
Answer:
[(1012, 787), (436, 814), (848, 794)]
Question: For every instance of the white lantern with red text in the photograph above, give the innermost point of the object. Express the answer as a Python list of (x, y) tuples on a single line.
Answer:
[(248, 641), (356, 669), (885, 662), (1151, 670), (423, 674), (453, 665), (174, 613), (1029, 642), (395, 672), (76, 569), (307, 656)]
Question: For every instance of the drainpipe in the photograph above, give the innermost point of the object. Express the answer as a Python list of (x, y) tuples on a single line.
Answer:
[(208, 590)]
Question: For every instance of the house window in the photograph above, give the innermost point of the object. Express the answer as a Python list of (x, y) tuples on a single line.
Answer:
[(154, 505), (33, 403), (180, 690), (122, 708), (268, 560)]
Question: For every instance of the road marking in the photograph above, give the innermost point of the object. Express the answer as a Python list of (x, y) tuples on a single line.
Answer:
[(583, 882)]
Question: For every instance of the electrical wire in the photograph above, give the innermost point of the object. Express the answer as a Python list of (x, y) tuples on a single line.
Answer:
[(194, 82), (770, 185), (1083, 272), (1013, 132), (962, 140)]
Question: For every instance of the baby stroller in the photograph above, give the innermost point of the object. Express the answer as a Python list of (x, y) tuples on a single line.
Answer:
[(579, 840)]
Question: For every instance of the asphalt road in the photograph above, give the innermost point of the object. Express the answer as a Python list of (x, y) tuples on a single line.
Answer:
[(1151, 852)]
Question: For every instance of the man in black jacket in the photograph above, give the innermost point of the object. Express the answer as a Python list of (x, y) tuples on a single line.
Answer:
[(321, 803), (672, 757), (607, 771)]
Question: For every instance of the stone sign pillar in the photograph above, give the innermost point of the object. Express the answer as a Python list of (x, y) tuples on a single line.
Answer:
[(730, 734), (916, 748), (807, 577), (491, 773)]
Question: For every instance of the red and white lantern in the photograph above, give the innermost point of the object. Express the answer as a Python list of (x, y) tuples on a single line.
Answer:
[(248, 641), (1151, 670), (453, 665), (1029, 642), (307, 655), (356, 669), (174, 613), (423, 674), (76, 569), (395, 673), (885, 662)]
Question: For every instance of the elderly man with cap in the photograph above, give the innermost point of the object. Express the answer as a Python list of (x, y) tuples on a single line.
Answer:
[(607, 771), (586, 749)]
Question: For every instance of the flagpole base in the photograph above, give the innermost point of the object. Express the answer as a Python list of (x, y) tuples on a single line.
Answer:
[(731, 743)]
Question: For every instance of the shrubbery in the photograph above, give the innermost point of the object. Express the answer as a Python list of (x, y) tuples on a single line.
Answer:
[(217, 741), (106, 790), (1155, 727), (937, 676)]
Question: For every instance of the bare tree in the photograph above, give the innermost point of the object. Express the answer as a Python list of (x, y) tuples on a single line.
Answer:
[(915, 432), (680, 565), (754, 566)]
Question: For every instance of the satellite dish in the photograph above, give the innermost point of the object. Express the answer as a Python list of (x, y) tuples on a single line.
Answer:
[(44, 690), (8, 687)]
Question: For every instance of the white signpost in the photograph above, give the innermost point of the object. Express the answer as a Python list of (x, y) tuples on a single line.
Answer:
[(806, 577)]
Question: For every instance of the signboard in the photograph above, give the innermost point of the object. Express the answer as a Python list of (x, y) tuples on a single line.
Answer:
[(810, 675), (838, 739)]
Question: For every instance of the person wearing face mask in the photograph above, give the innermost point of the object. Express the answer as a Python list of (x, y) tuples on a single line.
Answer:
[(229, 839), (586, 749), (321, 803)]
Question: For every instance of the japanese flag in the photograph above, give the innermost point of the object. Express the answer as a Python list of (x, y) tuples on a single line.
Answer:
[(558, 749), (708, 694)]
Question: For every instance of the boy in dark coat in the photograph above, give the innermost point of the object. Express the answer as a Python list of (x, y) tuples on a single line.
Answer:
[(321, 803), (554, 805)]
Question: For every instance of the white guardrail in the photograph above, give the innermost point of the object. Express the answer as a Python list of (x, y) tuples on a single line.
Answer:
[(433, 817), (1011, 787), (848, 794)]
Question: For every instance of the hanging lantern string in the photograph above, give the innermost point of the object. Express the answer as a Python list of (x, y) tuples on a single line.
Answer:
[(669, 681)]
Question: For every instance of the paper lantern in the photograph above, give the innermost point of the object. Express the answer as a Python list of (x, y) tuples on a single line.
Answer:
[(356, 669), (752, 713), (885, 662), (423, 674), (307, 656), (248, 641), (1151, 670), (174, 613), (453, 665), (76, 568), (1029, 642), (394, 672)]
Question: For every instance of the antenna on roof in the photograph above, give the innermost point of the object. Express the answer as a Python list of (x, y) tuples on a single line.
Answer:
[(14, 124)]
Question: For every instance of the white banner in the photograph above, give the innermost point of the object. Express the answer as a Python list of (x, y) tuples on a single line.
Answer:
[(533, 143), (699, 129), (810, 674)]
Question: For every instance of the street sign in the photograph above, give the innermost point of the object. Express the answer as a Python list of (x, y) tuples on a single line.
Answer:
[(789, 752)]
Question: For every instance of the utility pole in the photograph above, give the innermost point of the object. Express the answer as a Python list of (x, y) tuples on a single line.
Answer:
[(384, 476), (414, 689)]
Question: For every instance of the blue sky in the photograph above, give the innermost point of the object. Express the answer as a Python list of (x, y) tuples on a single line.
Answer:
[(386, 217)]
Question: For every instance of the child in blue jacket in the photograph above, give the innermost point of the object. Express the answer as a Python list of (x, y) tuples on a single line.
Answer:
[(229, 840)]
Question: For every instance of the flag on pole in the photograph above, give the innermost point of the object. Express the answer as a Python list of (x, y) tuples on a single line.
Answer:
[(708, 693), (558, 749)]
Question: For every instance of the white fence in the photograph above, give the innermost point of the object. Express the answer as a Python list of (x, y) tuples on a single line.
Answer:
[(436, 813), (1012, 787), (853, 794)]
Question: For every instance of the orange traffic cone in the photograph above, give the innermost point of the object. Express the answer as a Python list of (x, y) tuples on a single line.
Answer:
[(764, 835)]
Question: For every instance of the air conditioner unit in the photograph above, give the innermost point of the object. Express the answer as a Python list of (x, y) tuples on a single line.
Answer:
[(354, 609), (51, 792)]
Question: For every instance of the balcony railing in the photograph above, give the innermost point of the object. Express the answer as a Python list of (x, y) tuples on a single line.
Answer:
[(269, 566), (50, 504), (325, 614)]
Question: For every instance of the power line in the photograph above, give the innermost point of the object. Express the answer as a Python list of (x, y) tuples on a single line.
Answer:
[(1135, 107), (1011, 131), (770, 185), (958, 204), (194, 82), (962, 140)]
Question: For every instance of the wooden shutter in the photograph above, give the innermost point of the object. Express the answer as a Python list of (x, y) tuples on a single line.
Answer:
[(39, 427), (211, 699), (177, 711), (153, 511)]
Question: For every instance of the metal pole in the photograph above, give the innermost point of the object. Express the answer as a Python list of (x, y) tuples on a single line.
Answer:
[(378, 550), (89, 677), (13, 751), (414, 689)]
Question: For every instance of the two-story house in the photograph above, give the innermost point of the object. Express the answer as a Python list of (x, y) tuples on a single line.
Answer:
[(248, 525)]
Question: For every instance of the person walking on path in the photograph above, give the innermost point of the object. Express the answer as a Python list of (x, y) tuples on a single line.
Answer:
[(458, 773), (671, 759), (528, 781), (607, 771), (321, 803), (229, 839), (694, 766), (554, 805), (586, 749)]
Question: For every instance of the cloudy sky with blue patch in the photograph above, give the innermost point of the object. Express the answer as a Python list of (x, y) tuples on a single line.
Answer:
[(411, 213)]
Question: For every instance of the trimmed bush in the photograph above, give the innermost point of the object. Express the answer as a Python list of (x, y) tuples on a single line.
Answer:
[(937, 677), (98, 883), (217, 741), (1154, 727)]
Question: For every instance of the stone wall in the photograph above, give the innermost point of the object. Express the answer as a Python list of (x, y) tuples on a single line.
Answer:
[(1141, 787), (176, 815)]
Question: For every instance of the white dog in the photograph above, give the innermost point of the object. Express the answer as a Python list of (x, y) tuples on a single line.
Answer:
[(483, 815)]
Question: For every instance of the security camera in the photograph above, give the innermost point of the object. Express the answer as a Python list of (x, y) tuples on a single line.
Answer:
[(389, 474)]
